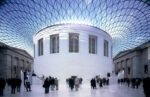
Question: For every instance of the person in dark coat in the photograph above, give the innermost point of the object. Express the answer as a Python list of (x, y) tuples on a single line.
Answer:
[(46, 85), (128, 81), (8, 81), (118, 81), (2, 85), (146, 86), (121, 81), (18, 84), (100, 83), (137, 83), (13, 85), (27, 85), (81, 80), (104, 81), (107, 81), (133, 82), (93, 83), (52, 83), (71, 83)]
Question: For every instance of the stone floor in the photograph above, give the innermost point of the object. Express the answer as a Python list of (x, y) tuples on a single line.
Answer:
[(113, 90)]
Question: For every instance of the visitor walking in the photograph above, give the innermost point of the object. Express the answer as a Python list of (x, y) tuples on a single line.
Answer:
[(100, 83), (128, 81), (56, 83), (27, 85), (13, 85), (146, 86), (46, 85), (18, 84), (52, 83), (2, 85), (77, 82), (71, 83), (93, 83)]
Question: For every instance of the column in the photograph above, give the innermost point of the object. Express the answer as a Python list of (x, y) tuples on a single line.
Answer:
[(125, 69)]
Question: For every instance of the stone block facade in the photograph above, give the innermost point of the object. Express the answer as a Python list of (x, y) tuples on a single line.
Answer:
[(135, 62), (13, 61)]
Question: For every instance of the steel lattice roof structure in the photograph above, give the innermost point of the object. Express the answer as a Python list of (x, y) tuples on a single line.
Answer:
[(127, 21)]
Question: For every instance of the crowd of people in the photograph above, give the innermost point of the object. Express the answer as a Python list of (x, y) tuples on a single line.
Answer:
[(14, 84), (50, 82), (97, 81), (136, 82), (74, 82)]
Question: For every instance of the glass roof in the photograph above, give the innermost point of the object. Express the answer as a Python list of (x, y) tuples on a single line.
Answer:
[(127, 21)]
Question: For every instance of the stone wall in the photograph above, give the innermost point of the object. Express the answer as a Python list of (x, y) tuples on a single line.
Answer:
[(134, 60), (12, 62)]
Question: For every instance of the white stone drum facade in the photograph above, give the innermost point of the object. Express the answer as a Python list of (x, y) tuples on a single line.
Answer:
[(65, 63)]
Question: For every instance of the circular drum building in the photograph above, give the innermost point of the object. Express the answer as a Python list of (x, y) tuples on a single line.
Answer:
[(63, 50)]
